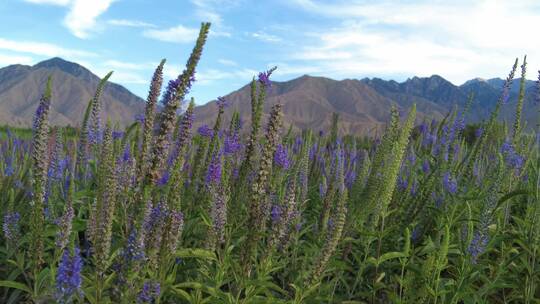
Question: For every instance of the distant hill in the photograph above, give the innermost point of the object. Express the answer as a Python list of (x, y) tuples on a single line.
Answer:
[(73, 85), (308, 102), (364, 105)]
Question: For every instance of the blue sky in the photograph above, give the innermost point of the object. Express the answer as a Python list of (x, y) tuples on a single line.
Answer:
[(458, 40)]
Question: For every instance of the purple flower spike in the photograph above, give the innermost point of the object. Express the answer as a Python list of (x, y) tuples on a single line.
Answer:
[(213, 175), (281, 157), (139, 118), (449, 183), (68, 278), (276, 213), (10, 226), (205, 131), (425, 166), (149, 293), (231, 144), (222, 102), (264, 77)]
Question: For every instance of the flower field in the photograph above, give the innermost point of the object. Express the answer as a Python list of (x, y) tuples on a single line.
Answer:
[(162, 212)]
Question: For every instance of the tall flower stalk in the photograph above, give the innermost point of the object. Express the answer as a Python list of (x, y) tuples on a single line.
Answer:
[(176, 96), (39, 175), (149, 115), (258, 205)]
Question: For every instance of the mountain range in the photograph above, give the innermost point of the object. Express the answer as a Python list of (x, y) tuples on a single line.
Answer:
[(308, 102)]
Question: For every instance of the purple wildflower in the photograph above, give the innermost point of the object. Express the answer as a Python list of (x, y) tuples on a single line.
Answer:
[(414, 188), (10, 226), (134, 249), (213, 175), (205, 131), (478, 245), (170, 93), (297, 144), (402, 183), (222, 102), (231, 144), (281, 157), (425, 166), (264, 77), (350, 177), (276, 213), (478, 132), (68, 278), (117, 135), (149, 293), (449, 183), (511, 157), (164, 179), (322, 189), (8, 170), (139, 118)]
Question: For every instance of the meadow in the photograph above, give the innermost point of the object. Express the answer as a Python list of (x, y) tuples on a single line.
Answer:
[(158, 212)]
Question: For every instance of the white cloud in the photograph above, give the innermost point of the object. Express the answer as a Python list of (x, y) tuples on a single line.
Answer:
[(207, 11), (265, 37), (42, 49), (177, 34), (129, 23), (227, 62), (461, 40), (15, 59), (115, 64), (51, 2), (82, 15)]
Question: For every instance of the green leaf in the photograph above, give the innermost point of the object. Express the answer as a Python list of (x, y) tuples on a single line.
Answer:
[(391, 255), (15, 285), (195, 253)]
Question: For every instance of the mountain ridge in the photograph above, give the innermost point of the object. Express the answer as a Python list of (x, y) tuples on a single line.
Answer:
[(308, 101)]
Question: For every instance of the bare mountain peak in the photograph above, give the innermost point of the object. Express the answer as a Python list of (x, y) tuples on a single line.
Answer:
[(69, 67), (73, 85)]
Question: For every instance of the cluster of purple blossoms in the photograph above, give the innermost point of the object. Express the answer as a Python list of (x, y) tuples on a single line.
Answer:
[(350, 178), (478, 245), (322, 189), (169, 94), (402, 182), (414, 188), (297, 144), (429, 139), (511, 157), (139, 118), (42, 107), (222, 102), (231, 144), (275, 213), (264, 77), (449, 183), (478, 132), (164, 179), (425, 166), (205, 131), (281, 157), (213, 175), (117, 135), (68, 278), (8, 169), (149, 293), (10, 226), (134, 249)]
